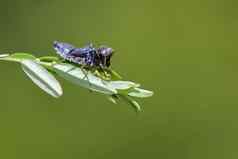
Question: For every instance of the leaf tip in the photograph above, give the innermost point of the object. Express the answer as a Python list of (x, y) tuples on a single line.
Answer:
[(4, 55)]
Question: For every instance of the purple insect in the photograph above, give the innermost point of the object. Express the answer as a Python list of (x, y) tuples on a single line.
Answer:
[(87, 56)]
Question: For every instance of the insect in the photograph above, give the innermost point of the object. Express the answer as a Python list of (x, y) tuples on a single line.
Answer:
[(88, 56)]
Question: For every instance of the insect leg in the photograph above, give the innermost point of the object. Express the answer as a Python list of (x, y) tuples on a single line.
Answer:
[(85, 74), (104, 72)]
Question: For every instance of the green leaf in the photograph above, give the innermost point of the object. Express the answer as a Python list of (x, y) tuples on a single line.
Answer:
[(83, 78), (114, 74), (131, 102), (4, 55), (123, 85), (17, 57), (49, 59), (106, 73), (140, 93), (112, 99), (42, 78), (91, 78), (22, 56)]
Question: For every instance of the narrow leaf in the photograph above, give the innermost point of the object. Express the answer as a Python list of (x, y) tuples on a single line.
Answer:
[(123, 85), (131, 102), (83, 78), (17, 57), (114, 74), (49, 59), (140, 93), (4, 55), (42, 78), (22, 56), (111, 99)]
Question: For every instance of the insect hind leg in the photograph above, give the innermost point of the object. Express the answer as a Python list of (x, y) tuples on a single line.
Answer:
[(85, 74)]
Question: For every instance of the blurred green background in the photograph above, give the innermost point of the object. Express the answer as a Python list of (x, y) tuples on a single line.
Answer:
[(185, 51)]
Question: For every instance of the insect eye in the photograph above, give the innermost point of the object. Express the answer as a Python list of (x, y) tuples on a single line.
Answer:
[(106, 51)]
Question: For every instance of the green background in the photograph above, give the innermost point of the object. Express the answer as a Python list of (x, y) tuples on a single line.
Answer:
[(185, 51)]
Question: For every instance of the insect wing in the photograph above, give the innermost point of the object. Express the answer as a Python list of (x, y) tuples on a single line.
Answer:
[(63, 49)]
